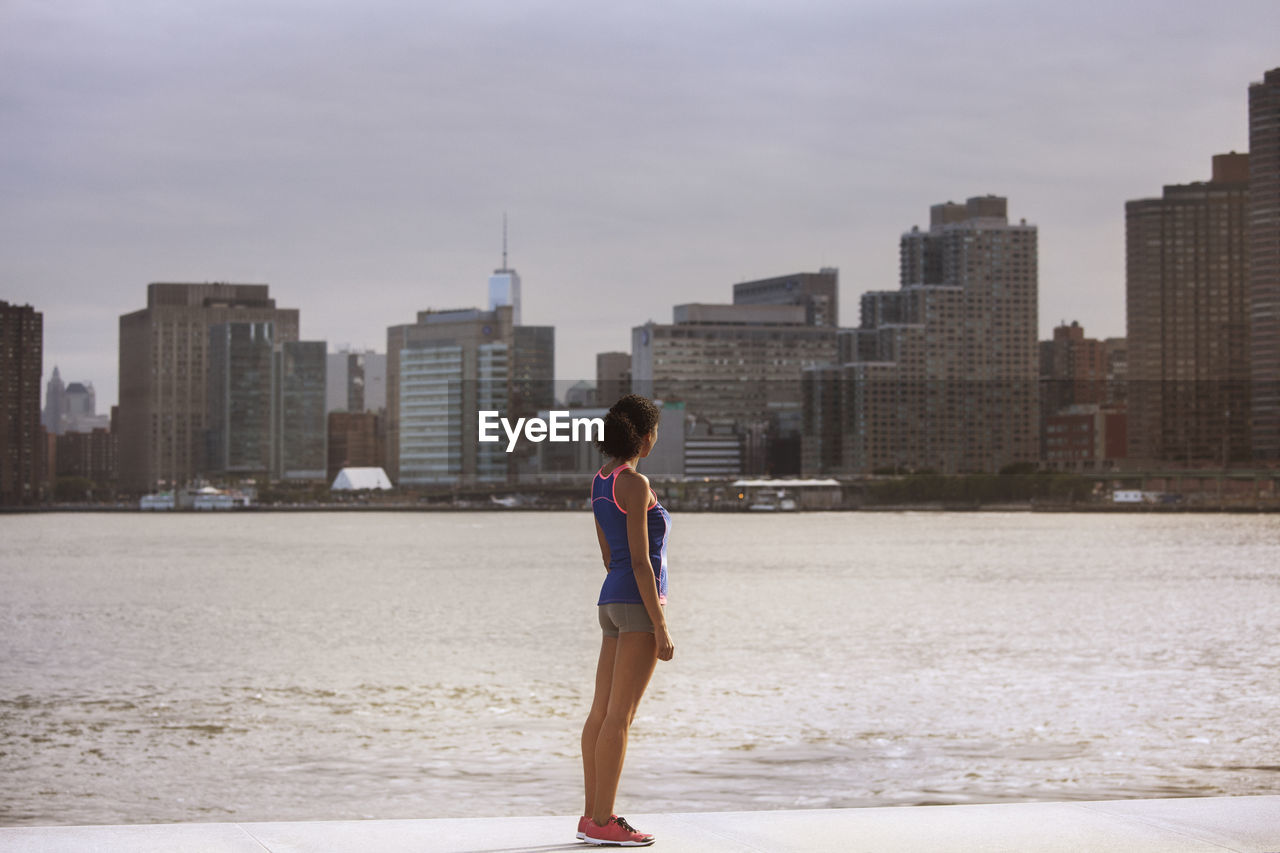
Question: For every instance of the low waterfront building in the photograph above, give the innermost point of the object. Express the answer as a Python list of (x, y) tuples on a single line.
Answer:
[(358, 479), (782, 495)]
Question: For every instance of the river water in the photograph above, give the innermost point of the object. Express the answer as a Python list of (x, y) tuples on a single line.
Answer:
[(321, 666)]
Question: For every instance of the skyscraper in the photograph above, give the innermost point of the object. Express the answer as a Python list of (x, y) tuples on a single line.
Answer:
[(613, 377), (729, 364), (504, 284), (355, 441), (504, 289), (164, 393), (1187, 295), (266, 404), (1264, 265), (818, 292), (239, 414), (22, 446), (1082, 417), (70, 407), (55, 403), (441, 372), (82, 413), (531, 380), (941, 374), (356, 381), (89, 454), (1073, 372), (737, 369), (1073, 369), (300, 428)]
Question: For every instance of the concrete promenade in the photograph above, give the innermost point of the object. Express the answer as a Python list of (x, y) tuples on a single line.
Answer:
[(1209, 825)]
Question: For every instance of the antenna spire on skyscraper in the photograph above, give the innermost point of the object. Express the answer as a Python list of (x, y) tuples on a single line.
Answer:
[(504, 284)]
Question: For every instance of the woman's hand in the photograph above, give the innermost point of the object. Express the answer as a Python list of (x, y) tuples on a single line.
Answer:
[(666, 648)]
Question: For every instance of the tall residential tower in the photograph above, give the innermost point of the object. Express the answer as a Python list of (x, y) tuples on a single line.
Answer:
[(941, 374), (1264, 264), (21, 442), (1187, 300)]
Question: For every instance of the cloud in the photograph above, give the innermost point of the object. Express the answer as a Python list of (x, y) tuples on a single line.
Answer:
[(358, 157)]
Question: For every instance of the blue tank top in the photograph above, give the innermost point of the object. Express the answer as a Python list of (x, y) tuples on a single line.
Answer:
[(620, 582)]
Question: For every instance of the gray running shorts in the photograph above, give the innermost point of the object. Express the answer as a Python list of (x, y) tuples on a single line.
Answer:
[(621, 616)]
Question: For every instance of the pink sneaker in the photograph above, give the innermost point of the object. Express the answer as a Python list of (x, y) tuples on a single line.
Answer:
[(582, 826), (617, 833)]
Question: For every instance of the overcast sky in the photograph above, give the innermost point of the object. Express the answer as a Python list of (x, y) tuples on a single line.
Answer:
[(358, 157)]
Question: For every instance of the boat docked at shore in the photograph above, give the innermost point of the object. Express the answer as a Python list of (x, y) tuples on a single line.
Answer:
[(203, 498)]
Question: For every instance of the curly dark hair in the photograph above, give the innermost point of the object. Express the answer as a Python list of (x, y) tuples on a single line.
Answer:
[(628, 422)]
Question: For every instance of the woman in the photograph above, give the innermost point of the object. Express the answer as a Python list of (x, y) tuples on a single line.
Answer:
[(632, 528)]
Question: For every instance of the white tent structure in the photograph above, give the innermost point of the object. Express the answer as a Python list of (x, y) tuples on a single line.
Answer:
[(355, 479)]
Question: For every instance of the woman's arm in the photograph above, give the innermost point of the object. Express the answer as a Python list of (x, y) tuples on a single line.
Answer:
[(632, 490), (604, 546)]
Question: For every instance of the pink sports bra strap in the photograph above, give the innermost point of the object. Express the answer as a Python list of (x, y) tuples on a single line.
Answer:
[(652, 494)]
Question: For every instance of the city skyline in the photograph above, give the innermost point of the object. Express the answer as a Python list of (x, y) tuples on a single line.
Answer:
[(645, 157)]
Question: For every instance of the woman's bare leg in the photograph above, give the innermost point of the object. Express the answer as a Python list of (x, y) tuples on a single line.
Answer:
[(599, 705), (633, 666)]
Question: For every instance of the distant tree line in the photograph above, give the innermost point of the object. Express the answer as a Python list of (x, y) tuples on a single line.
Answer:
[(1018, 483)]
